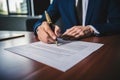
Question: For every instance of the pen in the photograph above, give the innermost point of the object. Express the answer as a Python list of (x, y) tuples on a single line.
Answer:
[(50, 24), (11, 37)]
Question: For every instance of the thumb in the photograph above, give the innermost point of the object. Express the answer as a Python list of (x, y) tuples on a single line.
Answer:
[(57, 31)]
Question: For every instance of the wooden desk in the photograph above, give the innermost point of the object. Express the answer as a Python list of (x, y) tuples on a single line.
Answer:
[(103, 64)]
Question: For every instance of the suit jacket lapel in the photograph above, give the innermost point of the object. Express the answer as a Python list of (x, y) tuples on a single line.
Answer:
[(89, 11), (72, 14)]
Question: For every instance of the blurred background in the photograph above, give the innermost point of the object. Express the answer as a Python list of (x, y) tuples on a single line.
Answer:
[(20, 15)]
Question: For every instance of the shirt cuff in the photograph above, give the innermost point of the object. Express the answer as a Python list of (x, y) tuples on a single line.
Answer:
[(96, 32)]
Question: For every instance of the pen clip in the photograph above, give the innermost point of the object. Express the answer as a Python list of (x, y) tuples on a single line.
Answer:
[(49, 21), (48, 17)]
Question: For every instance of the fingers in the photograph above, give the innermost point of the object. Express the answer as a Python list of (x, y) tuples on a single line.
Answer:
[(49, 30), (45, 34), (78, 32), (44, 37), (70, 31), (57, 31), (74, 31)]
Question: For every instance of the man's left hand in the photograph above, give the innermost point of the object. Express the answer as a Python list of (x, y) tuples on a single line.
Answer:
[(77, 32)]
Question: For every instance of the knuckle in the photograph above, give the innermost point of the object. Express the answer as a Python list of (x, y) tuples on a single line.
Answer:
[(76, 28), (67, 30), (44, 22)]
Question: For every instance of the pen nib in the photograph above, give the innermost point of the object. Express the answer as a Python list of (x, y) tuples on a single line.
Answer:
[(56, 42)]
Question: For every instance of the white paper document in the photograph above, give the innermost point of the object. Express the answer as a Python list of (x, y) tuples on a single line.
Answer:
[(62, 57)]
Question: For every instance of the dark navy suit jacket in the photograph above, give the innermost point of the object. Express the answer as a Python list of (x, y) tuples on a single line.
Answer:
[(103, 15)]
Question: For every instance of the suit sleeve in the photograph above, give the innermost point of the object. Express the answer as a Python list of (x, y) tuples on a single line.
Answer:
[(52, 11), (113, 19)]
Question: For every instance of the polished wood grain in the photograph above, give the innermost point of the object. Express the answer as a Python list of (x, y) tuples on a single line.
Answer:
[(103, 64)]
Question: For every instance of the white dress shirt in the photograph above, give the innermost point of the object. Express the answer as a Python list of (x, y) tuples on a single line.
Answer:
[(84, 10)]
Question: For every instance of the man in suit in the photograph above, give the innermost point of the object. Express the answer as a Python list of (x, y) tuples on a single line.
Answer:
[(98, 17)]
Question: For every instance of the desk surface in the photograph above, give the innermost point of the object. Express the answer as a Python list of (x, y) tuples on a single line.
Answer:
[(103, 64)]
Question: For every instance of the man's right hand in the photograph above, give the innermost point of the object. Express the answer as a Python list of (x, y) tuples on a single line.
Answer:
[(45, 33)]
